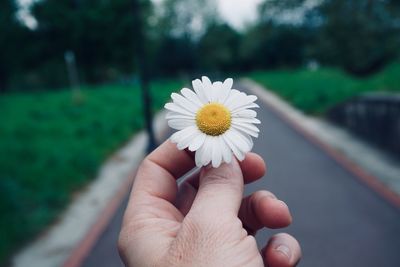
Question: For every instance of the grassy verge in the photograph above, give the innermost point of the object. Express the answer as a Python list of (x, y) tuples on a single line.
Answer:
[(316, 91), (51, 146)]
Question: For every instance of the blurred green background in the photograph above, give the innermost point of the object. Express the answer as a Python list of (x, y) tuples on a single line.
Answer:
[(70, 72)]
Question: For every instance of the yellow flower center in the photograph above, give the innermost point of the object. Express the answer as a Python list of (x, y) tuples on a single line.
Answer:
[(213, 119)]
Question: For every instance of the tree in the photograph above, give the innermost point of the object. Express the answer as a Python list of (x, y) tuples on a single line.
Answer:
[(100, 32), (179, 26), (359, 35), (11, 42), (280, 38), (283, 11), (268, 45), (175, 55), (187, 18), (219, 48)]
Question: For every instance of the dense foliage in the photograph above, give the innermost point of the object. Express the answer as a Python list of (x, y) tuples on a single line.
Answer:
[(186, 37)]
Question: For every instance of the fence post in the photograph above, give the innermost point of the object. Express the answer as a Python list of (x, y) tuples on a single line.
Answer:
[(70, 62)]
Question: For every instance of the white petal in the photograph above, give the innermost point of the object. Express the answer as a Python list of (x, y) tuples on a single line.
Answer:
[(198, 155), (246, 113), (178, 109), (225, 90), (216, 153), (247, 138), (246, 131), (197, 142), (175, 137), (244, 101), (251, 141), (245, 125), (191, 96), (233, 96), (216, 91), (180, 124), (207, 88), (207, 150), (251, 105), (198, 88), (206, 82), (178, 136), (238, 99), (184, 103), (185, 141), (226, 151), (228, 83), (239, 140), (246, 120), (174, 115), (236, 151)]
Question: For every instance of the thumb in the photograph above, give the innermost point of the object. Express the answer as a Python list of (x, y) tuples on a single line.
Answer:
[(220, 190)]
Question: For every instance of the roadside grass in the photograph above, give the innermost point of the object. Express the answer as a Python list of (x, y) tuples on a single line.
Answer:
[(51, 146), (314, 92)]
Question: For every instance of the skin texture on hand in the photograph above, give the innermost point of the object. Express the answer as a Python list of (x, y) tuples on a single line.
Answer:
[(205, 221)]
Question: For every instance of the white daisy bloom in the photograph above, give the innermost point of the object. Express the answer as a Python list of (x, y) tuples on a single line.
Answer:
[(215, 120)]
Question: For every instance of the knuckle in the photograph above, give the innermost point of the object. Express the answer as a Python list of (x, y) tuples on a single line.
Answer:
[(221, 180), (216, 178), (146, 164)]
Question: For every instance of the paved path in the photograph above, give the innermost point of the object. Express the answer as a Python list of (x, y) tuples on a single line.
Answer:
[(338, 220)]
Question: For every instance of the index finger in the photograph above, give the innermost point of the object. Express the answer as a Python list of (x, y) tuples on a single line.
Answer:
[(158, 172)]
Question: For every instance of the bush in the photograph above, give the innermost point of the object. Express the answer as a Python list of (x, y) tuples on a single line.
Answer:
[(315, 92)]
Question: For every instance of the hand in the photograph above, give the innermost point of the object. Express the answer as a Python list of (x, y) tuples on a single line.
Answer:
[(204, 222)]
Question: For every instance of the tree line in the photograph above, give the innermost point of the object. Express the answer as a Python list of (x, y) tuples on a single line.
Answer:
[(184, 37)]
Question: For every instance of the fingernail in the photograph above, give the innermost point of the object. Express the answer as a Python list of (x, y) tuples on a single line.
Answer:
[(268, 196), (284, 250), (283, 203)]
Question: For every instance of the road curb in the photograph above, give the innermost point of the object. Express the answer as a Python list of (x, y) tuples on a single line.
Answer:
[(282, 110)]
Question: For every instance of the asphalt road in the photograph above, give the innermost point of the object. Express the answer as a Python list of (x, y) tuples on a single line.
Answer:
[(337, 220)]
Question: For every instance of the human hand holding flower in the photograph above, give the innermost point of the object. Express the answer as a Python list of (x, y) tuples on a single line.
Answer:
[(205, 221)]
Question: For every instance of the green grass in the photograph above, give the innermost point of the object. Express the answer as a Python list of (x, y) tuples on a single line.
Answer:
[(51, 146), (315, 92)]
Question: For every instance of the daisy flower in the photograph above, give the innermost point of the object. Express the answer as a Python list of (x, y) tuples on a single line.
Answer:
[(215, 121)]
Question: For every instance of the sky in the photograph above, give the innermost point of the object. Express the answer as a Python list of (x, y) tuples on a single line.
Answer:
[(237, 13), (24, 15)]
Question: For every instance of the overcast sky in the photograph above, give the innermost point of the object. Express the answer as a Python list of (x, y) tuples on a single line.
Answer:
[(238, 12)]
